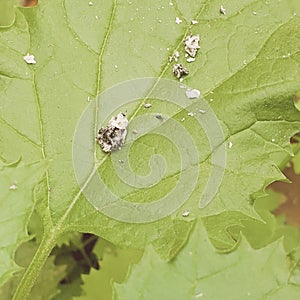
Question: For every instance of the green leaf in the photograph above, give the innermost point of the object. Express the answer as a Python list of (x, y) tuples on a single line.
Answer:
[(46, 287), (247, 71), (16, 206), (114, 266), (199, 272)]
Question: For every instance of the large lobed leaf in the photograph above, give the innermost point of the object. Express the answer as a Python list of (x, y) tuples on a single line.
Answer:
[(247, 70), (198, 272)]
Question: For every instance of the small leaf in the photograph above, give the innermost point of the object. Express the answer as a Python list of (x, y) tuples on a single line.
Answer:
[(16, 206)]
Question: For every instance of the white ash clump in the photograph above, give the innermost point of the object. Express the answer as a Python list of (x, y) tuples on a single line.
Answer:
[(191, 44), (112, 137), (179, 70)]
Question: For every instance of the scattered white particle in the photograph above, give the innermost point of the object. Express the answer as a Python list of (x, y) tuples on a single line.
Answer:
[(129, 31), (211, 99), (91, 3), (89, 99), (230, 145), (186, 213), (190, 59), (294, 14), (244, 62), (178, 21), (168, 49), (116, 67), (191, 44), (183, 119), (96, 17), (176, 55), (194, 22), (254, 13), (186, 55), (121, 161), (273, 140), (191, 114), (13, 187), (202, 111), (199, 295), (29, 58), (171, 4), (223, 10), (134, 131), (147, 105), (192, 93), (180, 79)]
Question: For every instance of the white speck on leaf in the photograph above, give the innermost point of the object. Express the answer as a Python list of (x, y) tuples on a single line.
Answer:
[(194, 22), (191, 114), (273, 140), (171, 4), (202, 111), (178, 21), (183, 119), (91, 3), (186, 213), (29, 58), (254, 13), (192, 93), (147, 105), (13, 187), (199, 295), (190, 59), (230, 145), (223, 10)]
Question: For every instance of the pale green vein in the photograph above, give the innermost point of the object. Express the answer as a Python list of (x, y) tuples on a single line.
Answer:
[(19, 133)]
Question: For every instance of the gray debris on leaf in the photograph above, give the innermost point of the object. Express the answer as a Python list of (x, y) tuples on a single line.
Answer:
[(113, 136), (192, 93), (191, 44), (223, 10), (179, 70)]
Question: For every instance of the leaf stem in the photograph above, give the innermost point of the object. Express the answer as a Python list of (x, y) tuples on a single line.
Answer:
[(29, 277)]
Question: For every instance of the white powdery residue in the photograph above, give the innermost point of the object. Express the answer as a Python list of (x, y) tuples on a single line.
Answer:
[(192, 93), (183, 119), (171, 4), (147, 105), (273, 140), (199, 295), (29, 58), (13, 187), (178, 21), (191, 44), (190, 59), (230, 145), (223, 10), (191, 114), (91, 3), (202, 111), (186, 213), (254, 13), (176, 55), (194, 22)]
